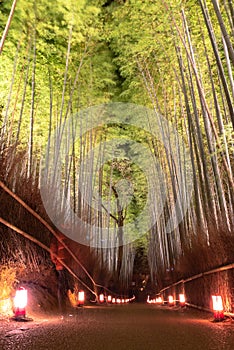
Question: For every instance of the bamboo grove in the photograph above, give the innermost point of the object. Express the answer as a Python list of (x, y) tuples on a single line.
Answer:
[(175, 58)]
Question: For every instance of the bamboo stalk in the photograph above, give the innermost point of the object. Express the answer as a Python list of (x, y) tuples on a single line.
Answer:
[(218, 60), (224, 31), (7, 27), (32, 109)]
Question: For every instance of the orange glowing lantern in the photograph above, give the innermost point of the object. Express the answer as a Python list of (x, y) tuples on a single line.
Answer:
[(101, 298), (159, 300), (109, 298), (20, 303), (81, 298), (118, 301), (113, 301), (182, 300), (218, 307), (171, 300)]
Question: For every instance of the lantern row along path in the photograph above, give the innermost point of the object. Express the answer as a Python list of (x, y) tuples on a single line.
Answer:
[(124, 327)]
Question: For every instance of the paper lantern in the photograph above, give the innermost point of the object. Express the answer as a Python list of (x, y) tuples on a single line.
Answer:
[(81, 298), (171, 300), (101, 298), (218, 307), (182, 300), (20, 302)]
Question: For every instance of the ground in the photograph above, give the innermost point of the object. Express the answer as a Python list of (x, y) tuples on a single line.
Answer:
[(125, 327)]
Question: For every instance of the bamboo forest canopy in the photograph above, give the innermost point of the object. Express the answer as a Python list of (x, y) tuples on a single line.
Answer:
[(65, 61)]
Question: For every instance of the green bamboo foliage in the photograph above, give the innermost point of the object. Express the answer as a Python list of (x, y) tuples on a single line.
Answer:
[(5, 120)]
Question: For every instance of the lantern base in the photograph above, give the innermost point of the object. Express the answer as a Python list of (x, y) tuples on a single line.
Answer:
[(218, 316), (79, 305), (21, 318)]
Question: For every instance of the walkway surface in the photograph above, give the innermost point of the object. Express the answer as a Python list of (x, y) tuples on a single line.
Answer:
[(124, 327)]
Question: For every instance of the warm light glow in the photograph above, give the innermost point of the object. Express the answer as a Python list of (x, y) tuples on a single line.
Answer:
[(109, 298), (113, 301), (21, 299), (118, 301), (158, 300), (101, 298), (123, 300), (217, 303), (170, 299), (81, 297), (5, 306), (182, 298)]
